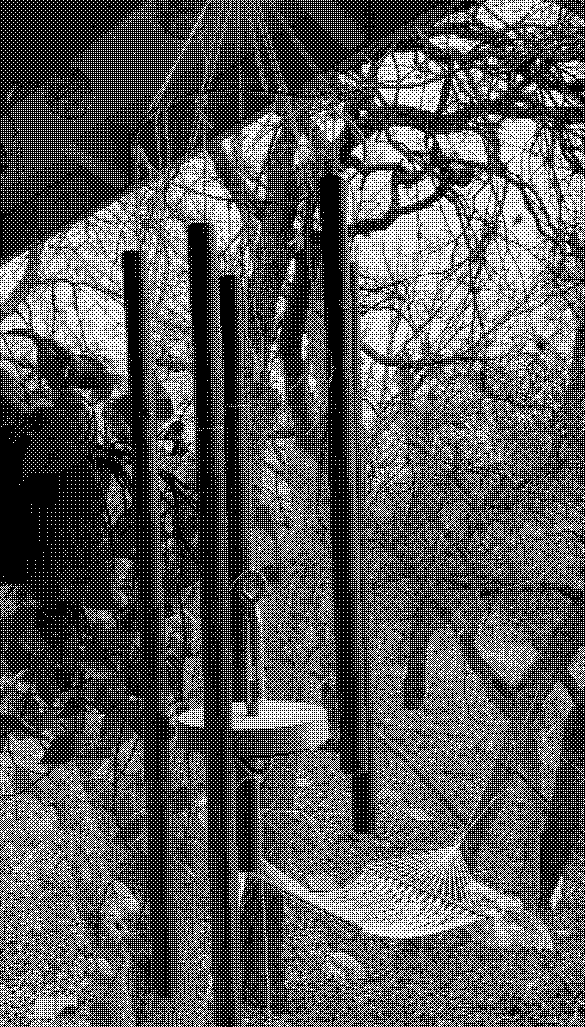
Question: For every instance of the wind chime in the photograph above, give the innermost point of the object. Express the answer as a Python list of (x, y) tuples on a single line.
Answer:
[(239, 728), (237, 724)]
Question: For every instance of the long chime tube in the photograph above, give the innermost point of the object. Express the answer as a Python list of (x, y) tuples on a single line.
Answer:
[(363, 802), (149, 587), (250, 838), (215, 626), (342, 471), (237, 428)]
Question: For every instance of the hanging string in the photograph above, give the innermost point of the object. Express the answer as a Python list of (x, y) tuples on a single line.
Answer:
[(163, 89), (282, 92), (240, 136), (207, 84), (259, 33), (159, 114), (211, 42), (204, 123), (258, 24), (330, 94)]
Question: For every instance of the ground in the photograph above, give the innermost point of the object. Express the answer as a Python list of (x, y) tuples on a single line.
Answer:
[(335, 974)]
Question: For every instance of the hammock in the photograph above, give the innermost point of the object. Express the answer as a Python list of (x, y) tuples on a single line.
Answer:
[(420, 894)]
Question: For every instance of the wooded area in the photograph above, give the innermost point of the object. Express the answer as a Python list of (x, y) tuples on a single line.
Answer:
[(463, 150)]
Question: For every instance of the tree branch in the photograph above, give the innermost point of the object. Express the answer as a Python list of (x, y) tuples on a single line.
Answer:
[(365, 226), (432, 123), (418, 365)]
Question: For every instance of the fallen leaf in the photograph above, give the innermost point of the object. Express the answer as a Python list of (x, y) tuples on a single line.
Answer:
[(342, 963), (557, 895), (105, 997), (501, 931), (402, 808), (579, 1017)]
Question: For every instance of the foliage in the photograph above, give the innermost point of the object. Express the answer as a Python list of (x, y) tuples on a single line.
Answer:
[(464, 151)]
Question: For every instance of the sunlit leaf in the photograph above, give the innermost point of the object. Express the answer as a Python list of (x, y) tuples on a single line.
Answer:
[(105, 997), (343, 964), (502, 931), (50, 1007), (27, 753), (26, 822), (120, 909), (557, 895)]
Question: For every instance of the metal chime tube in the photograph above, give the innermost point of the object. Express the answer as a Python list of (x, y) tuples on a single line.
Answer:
[(257, 665), (237, 427), (237, 452), (363, 801), (215, 628), (156, 729), (342, 471)]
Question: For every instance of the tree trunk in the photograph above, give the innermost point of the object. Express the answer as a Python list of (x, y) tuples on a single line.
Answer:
[(528, 766), (572, 412), (424, 621), (566, 811), (518, 752)]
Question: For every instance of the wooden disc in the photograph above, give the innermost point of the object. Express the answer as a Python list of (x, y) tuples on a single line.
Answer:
[(281, 728)]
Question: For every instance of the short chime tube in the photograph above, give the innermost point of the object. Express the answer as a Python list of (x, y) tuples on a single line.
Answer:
[(215, 626), (150, 599)]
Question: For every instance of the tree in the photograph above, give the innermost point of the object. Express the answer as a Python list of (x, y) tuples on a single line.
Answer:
[(465, 191)]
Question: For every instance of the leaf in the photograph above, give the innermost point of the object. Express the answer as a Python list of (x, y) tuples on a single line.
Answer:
[(403, 809), (501, 931), (9, 722), (25, 822), (118, 411), (557, 895), (92, 371), (50, 1007), (69, 1014), (45, 860), (122, 721), (93, 726), (120, 909), (132, 830), (27, 753), (100, 979), (53, 361), (87, 884), (60, 441), (341, 963), (105, 996)]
